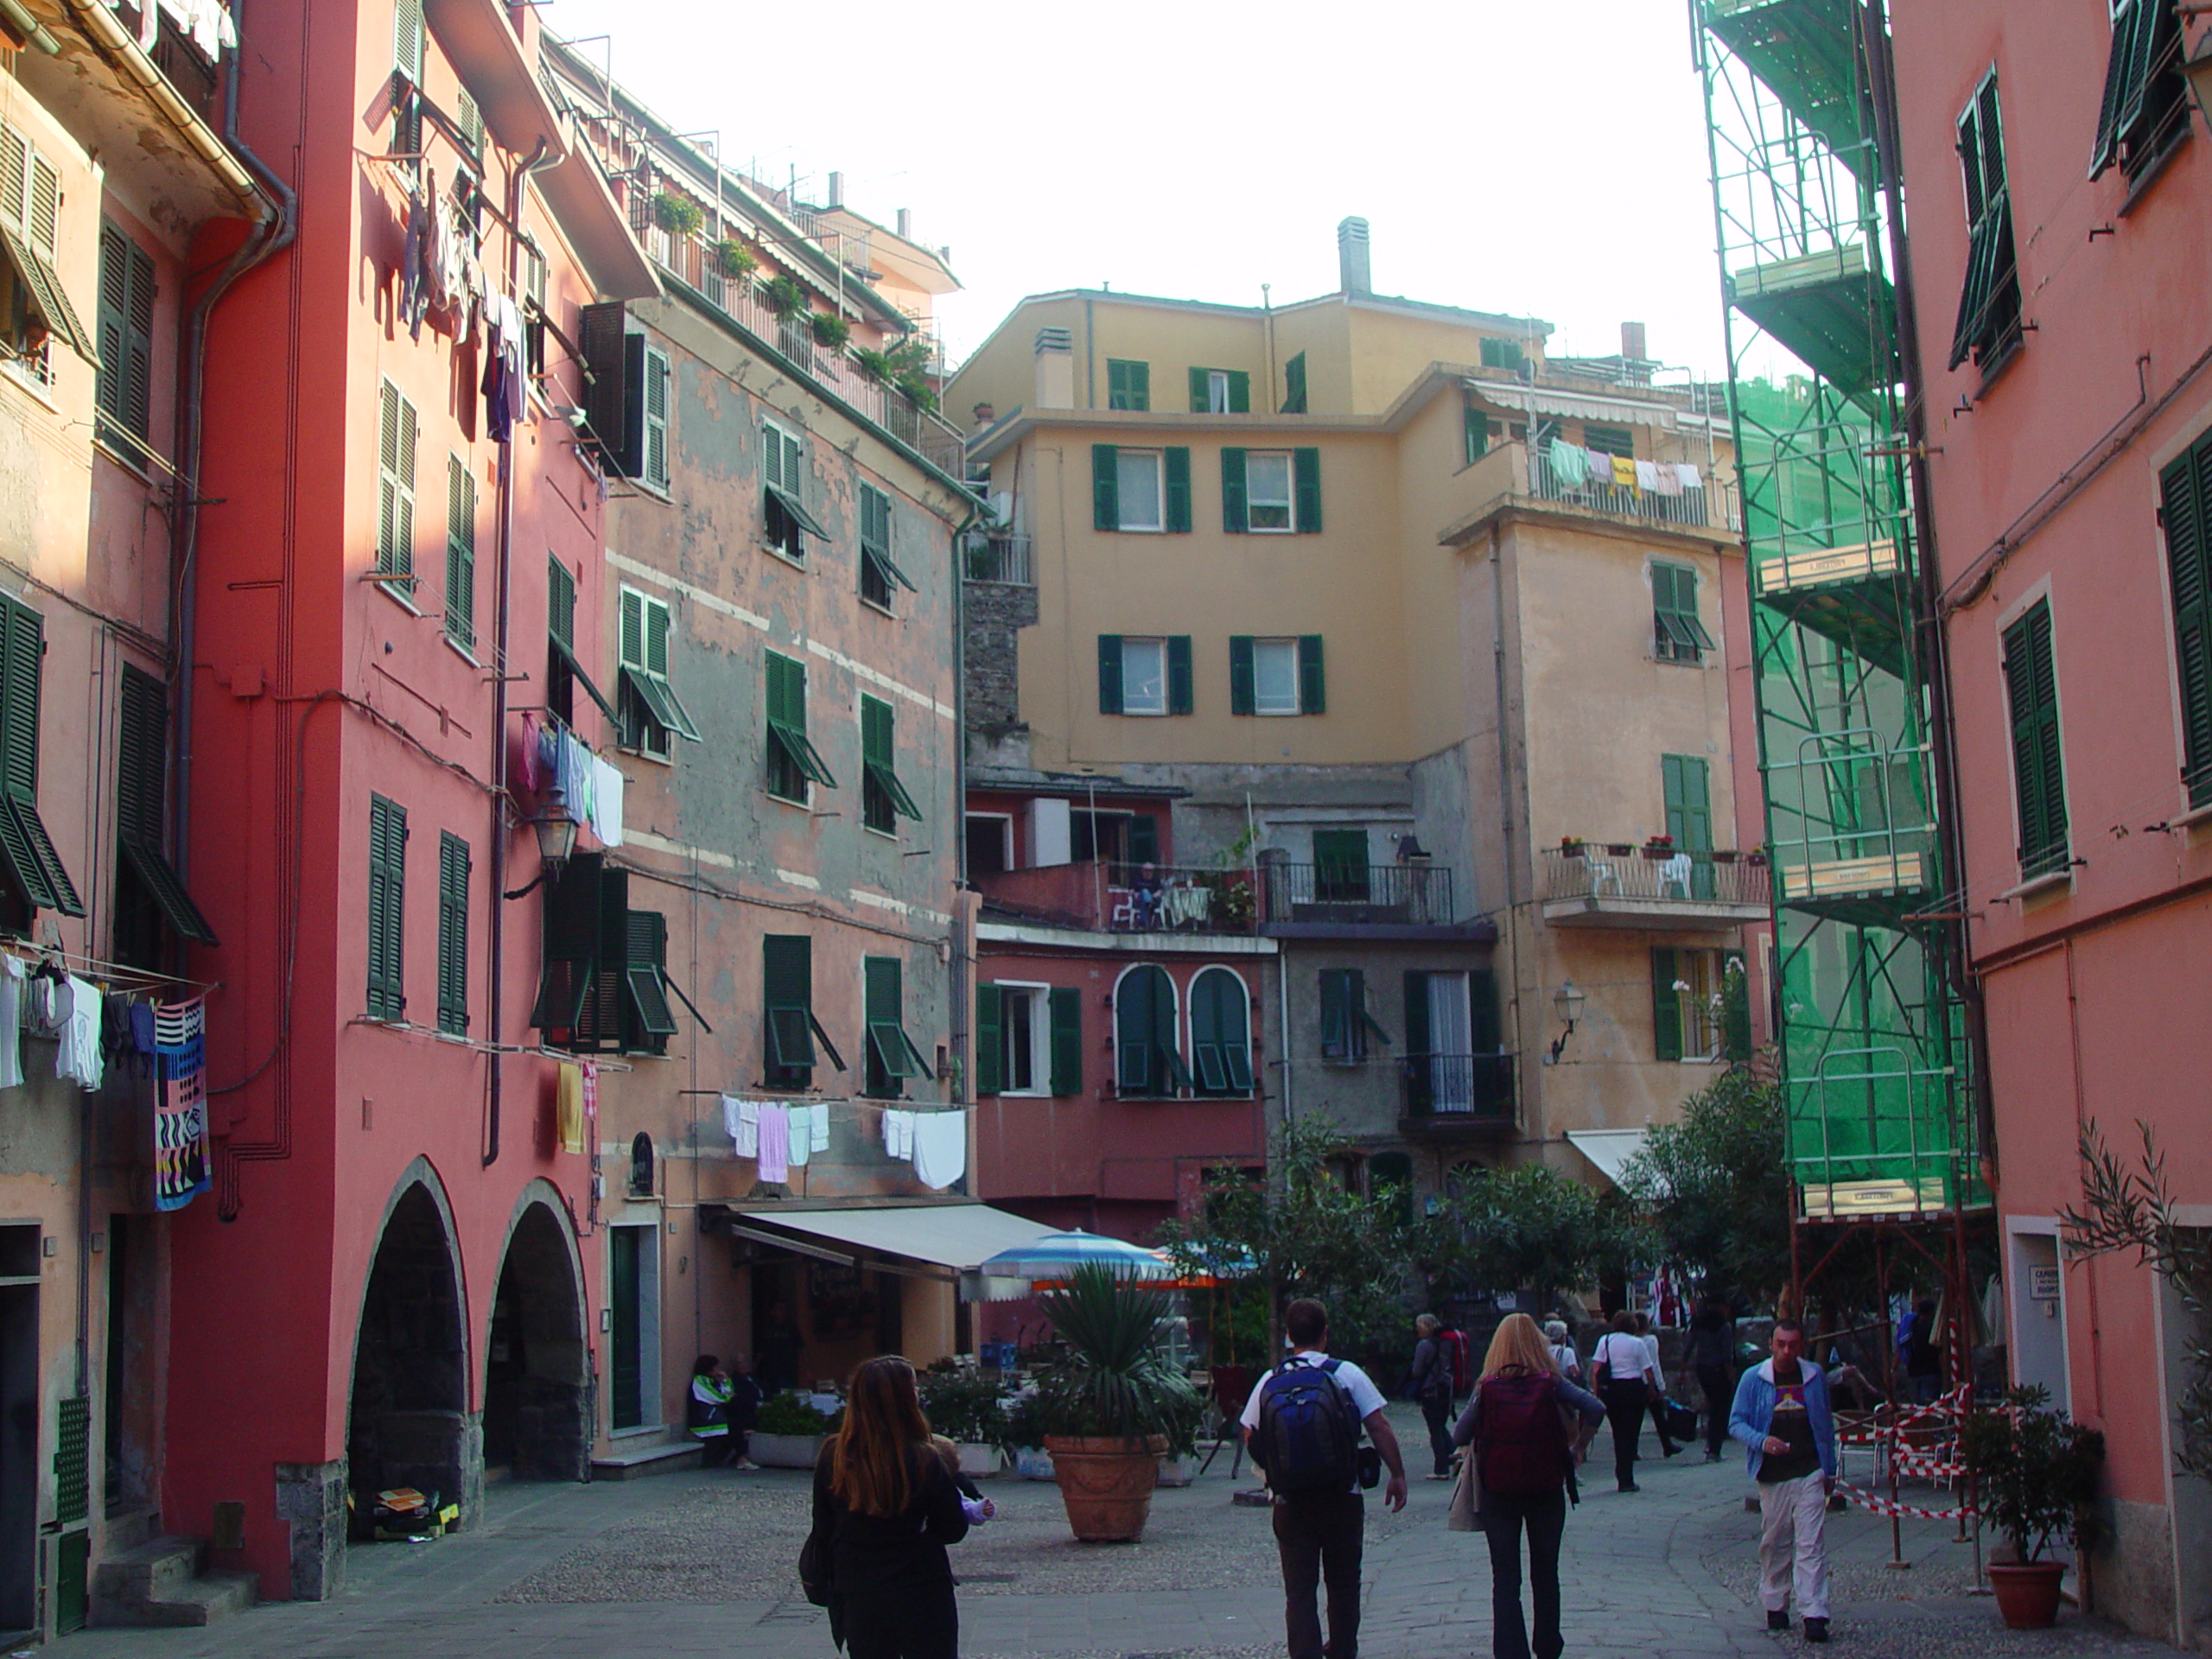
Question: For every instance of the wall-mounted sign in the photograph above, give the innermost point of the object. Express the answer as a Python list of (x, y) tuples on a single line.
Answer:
[(2043, 1284)]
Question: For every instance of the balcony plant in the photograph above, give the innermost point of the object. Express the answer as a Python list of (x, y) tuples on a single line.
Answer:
[(784, 296), (2035, 1477), (1618, 850), (677, 215), (1722, 858), (1572, 847), (830, 330), (736, 260), (873, 364), (1658, 847), (1113, 1404)]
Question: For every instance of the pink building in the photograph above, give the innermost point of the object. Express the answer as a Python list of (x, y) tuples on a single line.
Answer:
[(2064, 312)]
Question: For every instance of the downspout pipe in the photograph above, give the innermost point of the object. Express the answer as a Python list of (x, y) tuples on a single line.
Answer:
[(495, 979)]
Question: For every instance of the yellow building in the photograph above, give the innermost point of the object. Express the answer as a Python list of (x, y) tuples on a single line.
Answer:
[(1357, 576)]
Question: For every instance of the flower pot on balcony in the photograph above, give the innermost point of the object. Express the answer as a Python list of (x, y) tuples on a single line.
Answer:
[(2027, 1592), (1658, 850), (1618, 849), (1572, 849), (1722, 858)]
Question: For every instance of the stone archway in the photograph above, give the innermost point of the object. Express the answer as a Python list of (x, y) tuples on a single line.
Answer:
[(538, 1400), (409, 1423)]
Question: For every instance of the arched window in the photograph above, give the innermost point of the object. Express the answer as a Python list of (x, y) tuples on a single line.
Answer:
[(641, 1166), (1145, 1059), (1220, 1033)]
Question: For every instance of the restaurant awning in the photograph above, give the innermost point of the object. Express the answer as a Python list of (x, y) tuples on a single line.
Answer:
[(1609, 1149), (959, 1236)]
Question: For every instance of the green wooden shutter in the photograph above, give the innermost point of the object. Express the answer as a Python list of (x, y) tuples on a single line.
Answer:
[(1240, 392), (2186, 489), (124, 387), (1666, 1006), (1306, 464), (1735, 1006), (1486, 1036), (883, 1063), (453, 933), (1105, 487), (787, 1008), (1417, 1026), (1067, 1006), (1313, 681), (561, 605), (990, 1040), (1140, 379), (1134, 1067), (387, 997), (657, 379), (1128, 384), (632, 644), (1235, 515), (460, 553), (1476, 425), (1243, 697), (2031, 672), (1293, 384), (1179, 674), (1336, 1016), (1110, 673), (1201, 390), (1177, 470)]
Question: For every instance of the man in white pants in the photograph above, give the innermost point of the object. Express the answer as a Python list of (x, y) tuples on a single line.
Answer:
[(1782, 1416)]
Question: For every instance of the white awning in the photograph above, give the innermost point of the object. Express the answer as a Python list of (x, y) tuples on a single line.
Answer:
[(1609, 1149), (1577, 406), (957, 1236)]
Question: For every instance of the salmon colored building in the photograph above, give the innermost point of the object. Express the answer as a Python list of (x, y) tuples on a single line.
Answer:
[(2063, 323)]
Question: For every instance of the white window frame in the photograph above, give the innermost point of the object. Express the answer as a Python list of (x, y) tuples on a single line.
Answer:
[(1005, 822), (779, 476), (1037, 994), (1216, 391), (1260, 706), (647, 605), (1157, 643), (1158, 461), (1288, 502)]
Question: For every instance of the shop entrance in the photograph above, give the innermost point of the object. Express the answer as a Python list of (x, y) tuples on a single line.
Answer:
[(409, 1422), (537, 1370), (19, 1409)]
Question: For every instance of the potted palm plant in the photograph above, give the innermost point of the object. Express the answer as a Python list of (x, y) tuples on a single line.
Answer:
[(2035, 1477), (1113, 1405)]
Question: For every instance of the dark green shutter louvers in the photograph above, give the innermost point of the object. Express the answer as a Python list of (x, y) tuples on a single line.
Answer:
[(460, 553), (1179, 688), (1666, 1007), (1240, 392), (1067, 1006), (990, 1040), (878, 756), (1129, 385), (1110, 673), (1235, 515), (1313, 683), (651, 1020), (891, 1055), (43, 294), (2185, 489), (1306, 464), (1105, 487), (875, 540), (1293, 384), (561, 625), (141, 792), (1243, 697), (645, 627), (1177, 473), (1201, 395), (33, 865), (2038, 771), (387, 998), (453, 934), (787, 719)]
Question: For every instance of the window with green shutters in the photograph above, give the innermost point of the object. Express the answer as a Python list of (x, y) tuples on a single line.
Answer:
[(1221, 1034), (1275, 491), (1677, 634), (605, 984), (787, 523), (1141, 490), (1149, 1063), (1144, 675), (1276, 676), (650, 707), (2185, 489), (38, 879), (879, 570), (34, 304), (1028, 1041), (892, 1057), (397, 430), (1684, 787), (150, 902), (1498, 353), (1220, 391), (461, 554), (648, 1021), (794, 1042), (657, 381), (1667, 990), (1609, 439), (793, 762), (387, 910), (1340, 867), (2146, 100), (453, 934), (1698, 1011), (123, 388), (1129, 385), (1988, 326), (1475, 428), (2038, 768), (564, 672), (884, 800), (1293, 385), (1347, 1028), (408, 40)]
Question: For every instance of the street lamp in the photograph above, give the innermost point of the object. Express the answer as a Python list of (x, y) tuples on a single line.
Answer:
[(1566, 1003), (557, 838)]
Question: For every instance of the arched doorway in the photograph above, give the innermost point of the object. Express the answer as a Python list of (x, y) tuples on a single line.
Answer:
[(537, 1411), (409, 1424)]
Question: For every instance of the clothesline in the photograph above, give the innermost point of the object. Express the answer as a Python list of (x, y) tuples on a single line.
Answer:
[(143, 979), (781, 1137), (1575, 467)]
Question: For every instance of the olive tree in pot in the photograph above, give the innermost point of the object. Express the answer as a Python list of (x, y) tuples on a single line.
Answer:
[(1114, 1404), (2035, 1477)]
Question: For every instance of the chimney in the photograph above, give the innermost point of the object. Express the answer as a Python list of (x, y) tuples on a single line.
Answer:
[(906, 224), (1632, 342), (836, 189), (1352, 276), (1055, 369)]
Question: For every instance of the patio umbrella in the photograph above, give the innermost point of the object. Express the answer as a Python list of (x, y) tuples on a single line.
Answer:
[(1057, 1254)]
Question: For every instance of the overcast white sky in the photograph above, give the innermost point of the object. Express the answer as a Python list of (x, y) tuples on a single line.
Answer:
[(1532, 160)]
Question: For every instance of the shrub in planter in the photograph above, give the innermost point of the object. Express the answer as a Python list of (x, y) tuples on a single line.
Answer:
[(677, 216), (2035, 1477), (830, 330), (875, 365), (793, 1413), (734, 259), (963, 1405)]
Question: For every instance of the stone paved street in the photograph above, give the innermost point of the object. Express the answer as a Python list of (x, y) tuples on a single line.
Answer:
[(702, 1563)]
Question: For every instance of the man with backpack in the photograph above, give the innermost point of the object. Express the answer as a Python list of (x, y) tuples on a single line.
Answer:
[(1302, 1425), (1429, 1381)]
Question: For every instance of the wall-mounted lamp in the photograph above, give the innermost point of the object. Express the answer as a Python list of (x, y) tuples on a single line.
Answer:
[(1566, 1003), (557, 838)]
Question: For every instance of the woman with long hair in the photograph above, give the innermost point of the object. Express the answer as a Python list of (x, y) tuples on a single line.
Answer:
[(1522, 1429), (885, 1506)]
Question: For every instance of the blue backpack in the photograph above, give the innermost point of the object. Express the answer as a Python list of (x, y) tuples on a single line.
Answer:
[(1308, 1439)]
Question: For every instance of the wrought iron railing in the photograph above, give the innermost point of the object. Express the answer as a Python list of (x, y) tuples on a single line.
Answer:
[(1689, 506), (1327, 891), (1635, 873), (999, 556), (1469, 1089), (1109, 897)]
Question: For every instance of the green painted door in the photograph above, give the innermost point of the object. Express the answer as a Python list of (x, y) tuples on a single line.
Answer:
[(1689, 816), (1340, 867), (627, 1362)]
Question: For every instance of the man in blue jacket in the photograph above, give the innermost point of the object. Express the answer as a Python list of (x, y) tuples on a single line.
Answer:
[(1782, 1416)]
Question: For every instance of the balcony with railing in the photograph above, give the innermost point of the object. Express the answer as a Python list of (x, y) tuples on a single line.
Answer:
[(1652, 886), (999, 556), (1326, 899), (1456, 1094), (1709, 507), (1100, 896), (693, 261)]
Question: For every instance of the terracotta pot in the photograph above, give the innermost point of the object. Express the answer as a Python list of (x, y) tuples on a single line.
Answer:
[(2027, 1592), (1574, 851), (1107, 1484)]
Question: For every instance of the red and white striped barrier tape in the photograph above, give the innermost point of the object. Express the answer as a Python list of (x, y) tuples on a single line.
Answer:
[(1866, 1500)]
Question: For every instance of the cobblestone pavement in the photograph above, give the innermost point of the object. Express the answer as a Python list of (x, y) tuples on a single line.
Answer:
[(702, 1563)]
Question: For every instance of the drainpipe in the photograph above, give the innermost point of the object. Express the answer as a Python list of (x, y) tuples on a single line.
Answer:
[(1505, 796), (495, 979), (963, 1020)]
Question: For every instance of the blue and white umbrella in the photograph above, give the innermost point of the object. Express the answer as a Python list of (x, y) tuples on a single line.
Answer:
[(1057, 1255)]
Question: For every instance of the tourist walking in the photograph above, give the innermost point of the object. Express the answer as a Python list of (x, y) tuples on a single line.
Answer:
[(1429, 1381), (1302, 1426), (1649, 1338), (885, 1508), (1782, 1416), (1565, 1360), (1522, 1429), (706, 1413), (1713, 1357), (1627, 1383)]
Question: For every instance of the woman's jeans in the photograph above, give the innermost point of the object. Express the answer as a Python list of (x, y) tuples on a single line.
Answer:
[(1436, 1411), (1719, 1383), (1625, 1408), (1504, 1515)]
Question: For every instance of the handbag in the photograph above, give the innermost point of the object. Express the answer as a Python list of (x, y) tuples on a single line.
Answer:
[(814, 1569), (1463, 1516)]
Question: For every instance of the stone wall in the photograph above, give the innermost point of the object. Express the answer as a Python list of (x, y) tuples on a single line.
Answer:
[(996, 612)]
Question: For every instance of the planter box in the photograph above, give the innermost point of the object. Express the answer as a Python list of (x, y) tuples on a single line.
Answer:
[(1031, 1463), (1658, 853), (978, 1461), (1576, 851), (785, 1451)]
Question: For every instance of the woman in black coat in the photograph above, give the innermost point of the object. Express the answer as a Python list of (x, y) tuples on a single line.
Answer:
[(886, 1507)]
